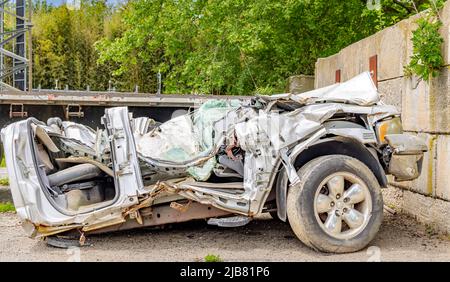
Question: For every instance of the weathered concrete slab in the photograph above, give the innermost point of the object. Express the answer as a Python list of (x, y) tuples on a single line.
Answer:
[(325, 73), (392, 51), (300, 83), (391, 92), (358, 55), (445, 32), (443, 167), (415, 103), (426, 106)]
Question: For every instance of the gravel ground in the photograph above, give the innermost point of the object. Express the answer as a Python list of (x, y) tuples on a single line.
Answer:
[(401, 238)]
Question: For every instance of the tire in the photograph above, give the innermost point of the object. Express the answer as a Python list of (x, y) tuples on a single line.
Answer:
[(305, 202)]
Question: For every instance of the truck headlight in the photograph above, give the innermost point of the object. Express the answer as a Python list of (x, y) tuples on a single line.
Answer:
[(386, 127)]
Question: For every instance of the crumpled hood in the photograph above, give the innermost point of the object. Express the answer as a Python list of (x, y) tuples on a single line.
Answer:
[(360, 90)]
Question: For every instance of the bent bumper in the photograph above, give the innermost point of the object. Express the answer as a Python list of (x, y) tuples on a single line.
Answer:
[(407, 156)]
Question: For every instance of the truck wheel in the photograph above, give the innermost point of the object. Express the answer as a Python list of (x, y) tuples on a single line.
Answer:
[(337, 206)]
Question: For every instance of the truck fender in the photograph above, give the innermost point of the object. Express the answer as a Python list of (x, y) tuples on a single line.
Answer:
[(328, 146)]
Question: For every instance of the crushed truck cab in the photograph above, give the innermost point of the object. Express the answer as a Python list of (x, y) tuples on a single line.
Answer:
[(317, 159)]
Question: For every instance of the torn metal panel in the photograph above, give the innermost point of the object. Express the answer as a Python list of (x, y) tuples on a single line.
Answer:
[(405, 144), (359, 90), (43, 136), (405, 167), (126, 167), (79, 132), (406, 161)]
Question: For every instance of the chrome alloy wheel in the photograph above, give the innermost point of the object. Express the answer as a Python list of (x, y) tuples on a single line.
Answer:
[(342, 205)]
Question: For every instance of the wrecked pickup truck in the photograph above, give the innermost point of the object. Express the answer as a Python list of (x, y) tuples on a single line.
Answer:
[(317, 160)]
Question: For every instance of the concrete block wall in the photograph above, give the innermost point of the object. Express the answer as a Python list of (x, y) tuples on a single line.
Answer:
[(425, 106), (300, 83), (393, 46)]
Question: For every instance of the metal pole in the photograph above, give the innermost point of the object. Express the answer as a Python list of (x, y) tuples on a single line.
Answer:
[(2, 29), (159, 83), (30, 46), (20, 77), (14, 63)]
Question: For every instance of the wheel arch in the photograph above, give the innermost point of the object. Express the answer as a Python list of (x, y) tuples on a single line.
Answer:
[(336, 145)]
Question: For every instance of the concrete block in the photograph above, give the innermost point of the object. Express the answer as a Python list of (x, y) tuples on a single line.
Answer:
[(426, 106), (354, 59), (300, 83), (443, 167), (415, 101), (391, 50), (445, 32), (391, 92), (325, 73)]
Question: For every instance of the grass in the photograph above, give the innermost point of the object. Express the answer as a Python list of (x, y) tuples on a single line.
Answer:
[(213, 258), (7, 207), (3, 163), (4, 182)]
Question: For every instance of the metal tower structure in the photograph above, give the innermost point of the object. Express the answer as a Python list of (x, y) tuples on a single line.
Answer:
[(15, 37)]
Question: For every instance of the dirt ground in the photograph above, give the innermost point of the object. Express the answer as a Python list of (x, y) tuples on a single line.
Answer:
[(401, 238)]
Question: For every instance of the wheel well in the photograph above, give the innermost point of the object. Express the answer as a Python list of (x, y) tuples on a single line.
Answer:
[(334, 146), (344, 146)]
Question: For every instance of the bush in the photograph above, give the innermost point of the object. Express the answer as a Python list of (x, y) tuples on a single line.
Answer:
[(4, 182), (213, 258)]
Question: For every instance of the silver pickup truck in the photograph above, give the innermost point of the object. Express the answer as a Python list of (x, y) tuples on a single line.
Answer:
[(317, 160)]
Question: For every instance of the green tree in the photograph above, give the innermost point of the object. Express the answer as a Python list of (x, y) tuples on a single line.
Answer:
[(64, 45), (200, 46), (237, 46)]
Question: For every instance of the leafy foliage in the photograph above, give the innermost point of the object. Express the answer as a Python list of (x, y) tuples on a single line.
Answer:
[(199, 46), (427, 57), (63, 45), (213, 258), (4, 182), (7, 207)]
